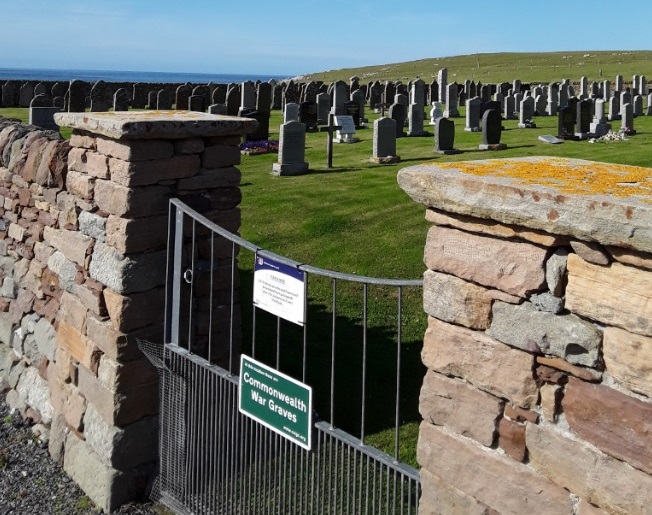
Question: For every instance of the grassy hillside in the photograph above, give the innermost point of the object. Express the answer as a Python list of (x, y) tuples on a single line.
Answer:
[(529, 67)]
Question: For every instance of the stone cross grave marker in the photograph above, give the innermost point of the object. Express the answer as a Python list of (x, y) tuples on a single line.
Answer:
[(331, 128)]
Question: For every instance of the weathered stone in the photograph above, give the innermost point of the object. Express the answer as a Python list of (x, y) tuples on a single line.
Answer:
[(459, 407), (130, 312), (119, 200), (521, 415), (8, 289), (121, 377), (556, 272), (615, 423), (73, 245), (562, 203), (107, 487), (34, 390), (77, 345), (127, 274), (220, 156), (129, 235), (440, 497), (91, 299), (550, 401), (550, 375), (597, 478), (566, 336), (474, 471), (143, 173), (583, 373), (160, 125), (214, 178), (46, 338), (16, 232), (121, 448), (591, 252), (514, 267), (617, 295), (136, 150), (628, 358), (65, 270), (82, 140), (511, 439), (96, 165), (188, 146), (451, 299), (58, 433), (631, 257), (585, 508), (482, 361), (92, 225), (547, 302), (493, 228)]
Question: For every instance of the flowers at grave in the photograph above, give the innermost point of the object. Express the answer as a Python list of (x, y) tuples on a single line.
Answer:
[(263, 146), (621, 135)]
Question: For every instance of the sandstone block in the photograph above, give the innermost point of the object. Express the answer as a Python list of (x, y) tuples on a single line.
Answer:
[(97, 165), (459, 407), (189, 146), (77, 345), (484, 362), (80, 184), (617, 424), (136, 150), (583, 373), (550, 401), (227, 177), (591, 252), (597, 478), (219, 156), (17, 232), (566, 336), (521, 415), (46, 338), (34, 390), (585, 508), (72, 244), (58, 433), (454, 300), (142, 173), (510, 266), (127, 274), (130, 235), (73, 312), (130, 312), (121, 377), (92, 299), (617, 295), (631, 257), (65, 270), (82, 140), (628, 358), (493, 228), (440, 497), (119, 200), (474, 471), (511, 439), (112, 343)]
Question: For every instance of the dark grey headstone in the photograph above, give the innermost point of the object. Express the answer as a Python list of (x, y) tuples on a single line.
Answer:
[(308, 114), (77, 97), (384, 139), (163, 100), (264, 98), (44, 117), (219, 94), (40, 89), (445, 136), (233, 101), (25, 95), (41, 100), (491, 127), (197, 103), (352, 108), (152, 99), (101, 98), (565, 123), (59, 102), (182, 95), (583, 117), (59, 89), (121, 100), (10, 93), (397, 112)]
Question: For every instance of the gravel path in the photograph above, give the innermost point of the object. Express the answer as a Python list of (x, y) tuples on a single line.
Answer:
[(31, 483)]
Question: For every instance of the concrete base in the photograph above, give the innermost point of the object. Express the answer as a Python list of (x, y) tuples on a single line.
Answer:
[(497, 146), (346, 140), (289, 169), (448, 152), (388, 160)]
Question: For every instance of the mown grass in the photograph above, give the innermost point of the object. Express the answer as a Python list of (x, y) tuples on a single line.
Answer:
[(499, 67)]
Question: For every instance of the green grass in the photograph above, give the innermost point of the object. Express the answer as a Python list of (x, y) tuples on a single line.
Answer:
[(499, 67)]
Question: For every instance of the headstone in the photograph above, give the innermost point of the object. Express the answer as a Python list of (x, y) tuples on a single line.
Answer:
[(346, 134), (584, 87), (291, 150), (434, 92), (627, 124), (59, 102), (436, 112), (375, 95), (445, 136), (59, 89), (217, 109), (415, 120), (540, 105), (635, 85), (565, 123), (40, 89), (197, 103), (121, 100), (262, 112), (202, 91), (43, 116), (358, 97), (101, 98), (397, 113), (418, 93), (606, 90), (181, 97), (400, 98), (384, 142), (516, 86), (526, 114), (614, 108), (563, 96), (352, 109), (233, 101), (139, 95), (583, 119), (76, 97), (247, 95), (473, 115), (648, 111), (643, 86), (491, 131), (599, 126), (219, 94), (548, 138), (442, 80), (152, 99), (451, 102), (25, 95), (625, 98), (308, 114), (339, 98), (638, 105), (41, 100), (291, 113), (163, 100), (277, 97), (323, 108), (510, 107), (618, 88)]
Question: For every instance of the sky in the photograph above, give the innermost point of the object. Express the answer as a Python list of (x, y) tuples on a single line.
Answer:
[(290, 37)]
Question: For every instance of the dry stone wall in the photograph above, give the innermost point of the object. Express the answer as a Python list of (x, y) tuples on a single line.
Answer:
[(538, 394), (83, 234)]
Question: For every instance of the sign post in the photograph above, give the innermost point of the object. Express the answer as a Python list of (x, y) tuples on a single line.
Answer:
[(279, 289), (276, 401)]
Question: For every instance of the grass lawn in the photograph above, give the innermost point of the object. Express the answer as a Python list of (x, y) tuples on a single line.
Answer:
[(355, 219)]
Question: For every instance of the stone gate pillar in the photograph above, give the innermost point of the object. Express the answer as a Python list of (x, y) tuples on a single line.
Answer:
[(538, 394)]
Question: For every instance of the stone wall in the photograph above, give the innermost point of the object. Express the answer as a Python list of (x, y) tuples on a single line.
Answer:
[(538, 394), (83, 238)]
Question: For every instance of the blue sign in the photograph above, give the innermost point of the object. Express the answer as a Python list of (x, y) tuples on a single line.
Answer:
[(279, 289)]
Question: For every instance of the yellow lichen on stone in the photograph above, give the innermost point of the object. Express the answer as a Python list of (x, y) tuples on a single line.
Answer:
[(568, 176)]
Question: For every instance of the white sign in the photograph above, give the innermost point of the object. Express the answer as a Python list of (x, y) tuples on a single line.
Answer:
[(279, 289)]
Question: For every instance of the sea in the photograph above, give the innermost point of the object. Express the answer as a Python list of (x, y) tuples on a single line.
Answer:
[(129, 76)]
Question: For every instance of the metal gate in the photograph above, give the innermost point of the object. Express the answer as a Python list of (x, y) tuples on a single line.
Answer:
[(215, 460)]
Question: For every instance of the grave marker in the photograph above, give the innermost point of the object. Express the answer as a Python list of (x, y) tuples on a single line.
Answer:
[(445, 137), (291, 150), (491, 131), (384, 142)]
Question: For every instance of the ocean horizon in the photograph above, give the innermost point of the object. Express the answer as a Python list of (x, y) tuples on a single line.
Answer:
[(129, 76)]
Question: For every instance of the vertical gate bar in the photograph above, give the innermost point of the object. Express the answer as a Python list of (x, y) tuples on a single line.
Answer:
[(232, 309), (210, 300), (192, 284), (348, 477), (397, 424), (374, 483), (305, 329), (214, 448), (360, 483), (253, 331), (235, 433), (278, 343), (367, 485), (341, 474), (330, 472), (220, 439), (189, 435), (387, 484), (334, 308), (364, 361), (174, 290)]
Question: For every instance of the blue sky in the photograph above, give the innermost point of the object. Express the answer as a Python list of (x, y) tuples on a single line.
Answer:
[(282, 37)]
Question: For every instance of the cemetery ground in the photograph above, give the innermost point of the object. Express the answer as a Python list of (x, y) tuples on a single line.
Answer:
[(355, 219)]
